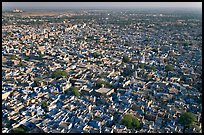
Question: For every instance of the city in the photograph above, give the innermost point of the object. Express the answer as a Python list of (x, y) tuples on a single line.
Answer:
[(101, 71)]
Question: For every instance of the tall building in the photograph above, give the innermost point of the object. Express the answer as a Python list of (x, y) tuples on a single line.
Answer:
[(135, 75), (143, 59)]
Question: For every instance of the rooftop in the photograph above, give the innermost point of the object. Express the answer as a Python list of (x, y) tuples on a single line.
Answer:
[(103, 90)]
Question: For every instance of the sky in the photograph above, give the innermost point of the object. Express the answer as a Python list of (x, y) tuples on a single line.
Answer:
[(58, 5)]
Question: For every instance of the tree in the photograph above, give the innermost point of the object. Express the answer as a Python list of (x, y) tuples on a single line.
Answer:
[(186, 44), (95, 55), (27, 58), (75, 91), (100, 83), (127, 120), (59, 73), (22, 64), (126, 59), (153, 68), (135, 123), (13, 57), (37, 81), (130, 121), (142, 65), (187, 119), (168, 68), (10, 122), (149, 97), (128, 71), (200, 99), (100, 75), (20, 129), (44, 104)]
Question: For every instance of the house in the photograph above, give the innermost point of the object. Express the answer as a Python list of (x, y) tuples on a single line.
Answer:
[(86, 90)]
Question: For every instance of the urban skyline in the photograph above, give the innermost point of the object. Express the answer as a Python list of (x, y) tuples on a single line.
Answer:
[(102, 71), (57, 5)]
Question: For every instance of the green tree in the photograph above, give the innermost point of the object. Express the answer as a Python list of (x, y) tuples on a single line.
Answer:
[(135, 123), (95, 54), (75, 91), (99, 84), (187, 119), (149, 97), (10, 122), (27, 58), (168, 68), (100, 75), (128, 71), (22, 64), (13, 57), (200, 99), (153, 68), (130, 121), (142, 65), (127, 120), (126, 59), (37, 81), (59, 73), (20, 129), (186, 43), (44, 104)]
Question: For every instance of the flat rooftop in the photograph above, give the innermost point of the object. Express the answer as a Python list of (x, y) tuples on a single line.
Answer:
[(103, 90), (5, 95)]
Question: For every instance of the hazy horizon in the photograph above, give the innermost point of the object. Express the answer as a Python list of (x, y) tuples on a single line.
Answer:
[(97, 5)]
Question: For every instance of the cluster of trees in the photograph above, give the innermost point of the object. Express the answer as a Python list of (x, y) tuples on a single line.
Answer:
[(153, 68), (20, 129), (169, 68), (22, 64), (200, 99), (24, 129), (26, 58), (13, 57), (149, 97), (128, 71), (100, 83), (142, 65), (38, 81), (186, 44), (59, 73), (126, 59), (130, 121), (44, 106), (9, 122), (75, 91), (187, 119), (95, 55)]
